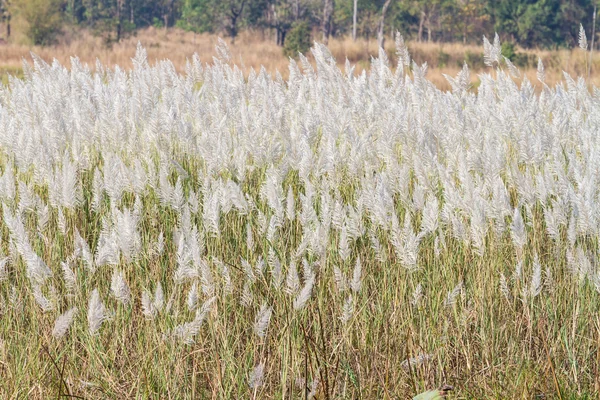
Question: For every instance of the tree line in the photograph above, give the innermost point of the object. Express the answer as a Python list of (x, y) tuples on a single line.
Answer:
[(528, 23)]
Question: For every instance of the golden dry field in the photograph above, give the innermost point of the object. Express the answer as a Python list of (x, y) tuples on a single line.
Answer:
[(256, 49)]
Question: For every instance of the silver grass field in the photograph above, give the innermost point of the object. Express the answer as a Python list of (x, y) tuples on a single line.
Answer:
[(227, 234)]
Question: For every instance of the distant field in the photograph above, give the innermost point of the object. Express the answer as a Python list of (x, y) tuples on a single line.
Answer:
[(254, 49)]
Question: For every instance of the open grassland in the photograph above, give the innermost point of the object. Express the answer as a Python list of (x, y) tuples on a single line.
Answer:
[(224, 234), (256, 49)]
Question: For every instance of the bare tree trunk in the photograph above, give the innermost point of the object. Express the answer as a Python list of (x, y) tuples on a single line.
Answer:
[(171, 11), (421, 21), (326, 25), (380, 38), (6, 16), (592, 46), (233, 30), (119, 27), (168, 13), (428, 23), (354, 20), (233, 20)]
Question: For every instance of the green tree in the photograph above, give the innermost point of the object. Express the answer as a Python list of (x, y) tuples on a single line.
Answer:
[(280, 17), (233, 11), (543, 23), (538, 23), (198, 16), (43, 17), (298, 40), (228, 15), (108, 17), (572, 13), (257, 10), (470, 21), (74, 11)]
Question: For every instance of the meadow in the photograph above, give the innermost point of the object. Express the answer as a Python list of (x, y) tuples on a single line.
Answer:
[(256, 49), (209, 230)]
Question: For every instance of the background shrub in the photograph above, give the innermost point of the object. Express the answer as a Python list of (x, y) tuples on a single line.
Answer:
[(297, 40)]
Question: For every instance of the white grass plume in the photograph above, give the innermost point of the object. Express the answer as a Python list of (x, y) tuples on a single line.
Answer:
[(96, 314), (3, 269), (290, 211), (119, 288), (247, 298), (148, 308), (292, 282), (206, 278), (341, 283), (347, 309), (225, 275), (68, 276), (276, 269), (256, 376), (380, 252), (429, 222), (304, 295), (159, 297), (541, 75), (416, 361), (344, 244), (192, 297), (187, 332), (417, 295), (504, 288), (82, 250), (583, 44), (453, 295), (45, 304), (249, 237), (63, 323), (402, 51), (518, 233), (536, 279), (261, 323), (248, 270)]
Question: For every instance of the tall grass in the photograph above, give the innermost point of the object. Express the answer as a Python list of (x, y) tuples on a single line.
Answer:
[(208, 235)]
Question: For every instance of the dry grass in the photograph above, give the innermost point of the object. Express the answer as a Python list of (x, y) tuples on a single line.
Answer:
[(256, 49)]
